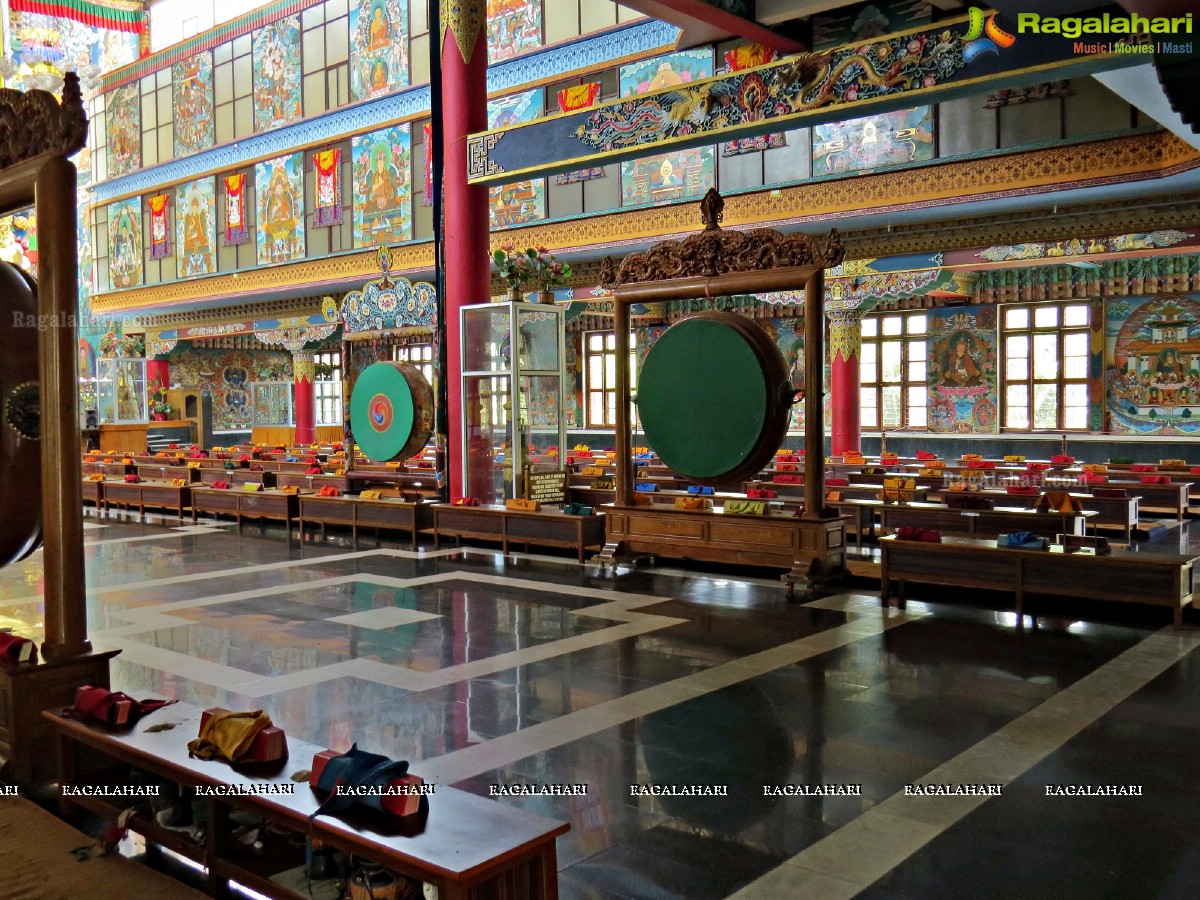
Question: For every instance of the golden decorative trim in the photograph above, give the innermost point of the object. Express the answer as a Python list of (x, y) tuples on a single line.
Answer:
[(350, 270), (304, 366), (845, 334), (465, 20)]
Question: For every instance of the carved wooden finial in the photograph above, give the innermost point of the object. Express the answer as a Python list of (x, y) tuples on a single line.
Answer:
[(712, 210)]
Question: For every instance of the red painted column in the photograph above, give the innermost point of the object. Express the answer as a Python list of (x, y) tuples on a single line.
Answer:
[(158, 373), (304, 372), (467, 270), (845, 341)]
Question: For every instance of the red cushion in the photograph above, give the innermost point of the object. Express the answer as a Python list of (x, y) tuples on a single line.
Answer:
[(1141, 467), (837, 482)]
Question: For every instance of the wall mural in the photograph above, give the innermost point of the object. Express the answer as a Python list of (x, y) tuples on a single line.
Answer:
[(192, 89), (868, 20), (196, 227), (123, 122), (788, 335), (279, 192), (962, 370), (378, 48), (226, 376), (858, 145), (1152, 364), (18, 241), (513, 27), (382, 161), (521, 201), (679, 174), (277, 73), (125, 243)]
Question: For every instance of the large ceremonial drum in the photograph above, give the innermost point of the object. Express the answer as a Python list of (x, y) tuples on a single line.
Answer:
[(714, 397), (20, 432), (391, 411)]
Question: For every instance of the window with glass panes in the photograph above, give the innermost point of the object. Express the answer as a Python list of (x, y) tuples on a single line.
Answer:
[(327, 389), (600, 376), (1045, 365), (893, 392), (419, 355)]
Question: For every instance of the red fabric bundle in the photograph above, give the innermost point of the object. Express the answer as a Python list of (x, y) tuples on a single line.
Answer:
[(1094, 478), (464, 501), (97, 704), (256, 468), (919, 534), (221, 485), (18, 649), (1194, 470), (837, 482), (1022, 489), (789, 479), (1060, 460), (791, 457), (196, 456), (759, 493), (1037, 467), (1155, 479), (329, 491), (311, 460), (132, 479), (925, 454), (981, 464), (313, 470), (245, 457), (338, 447), (172, 446), (787, 467), (1141, 467)]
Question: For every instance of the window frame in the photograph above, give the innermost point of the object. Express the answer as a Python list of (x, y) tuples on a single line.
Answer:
[(327, 390), (607, 387), (1059, 332), (871, 377)]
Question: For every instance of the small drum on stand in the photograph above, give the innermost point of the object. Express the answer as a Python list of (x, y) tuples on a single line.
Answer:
[(391, 411)]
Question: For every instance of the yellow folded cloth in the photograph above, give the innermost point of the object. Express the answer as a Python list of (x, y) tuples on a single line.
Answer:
[(971, 457), (1014, 459), (179, 482), (742, 507), (931, 472), (694, 503), (96, 477), (251, 486), (370, 495), (127, 461), (522, 505), (393, 465), (228, 735), (1095, 467), (288, 489), (193, 465), (339, 471)]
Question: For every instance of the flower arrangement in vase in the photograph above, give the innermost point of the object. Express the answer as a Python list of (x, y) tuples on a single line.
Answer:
[(536, 266), (160, 409)]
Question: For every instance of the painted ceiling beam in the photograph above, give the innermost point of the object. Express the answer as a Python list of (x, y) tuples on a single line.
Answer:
[(950, 59), (711, 21)]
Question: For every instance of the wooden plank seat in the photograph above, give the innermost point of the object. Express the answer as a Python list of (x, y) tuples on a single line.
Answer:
[(93, 492), (544, 528), (980, 523), (35, 853), (1120, 512), (464, 845), (312, 482), (358, 480), (236, 477), (166, 471), (1122, 576), (382, 514)]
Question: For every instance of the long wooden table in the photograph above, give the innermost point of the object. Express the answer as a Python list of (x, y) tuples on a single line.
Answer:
[(142, 494), (980, 522), (465, 845), (1122, 576), (544, 528), (390, 513), (1119, 511)]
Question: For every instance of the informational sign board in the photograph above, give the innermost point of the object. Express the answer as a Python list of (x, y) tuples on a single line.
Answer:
[(546, 487)]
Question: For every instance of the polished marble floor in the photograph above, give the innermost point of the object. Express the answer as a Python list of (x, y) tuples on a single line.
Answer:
[(485, 671)]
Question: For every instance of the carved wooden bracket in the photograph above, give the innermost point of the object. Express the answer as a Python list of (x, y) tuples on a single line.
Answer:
[(34, 123), (716, 251)]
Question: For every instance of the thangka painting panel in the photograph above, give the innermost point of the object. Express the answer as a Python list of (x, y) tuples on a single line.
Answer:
[(1152, 364), (513, 27), (277, 73), (378, 48), (192, 89), (125, 243), (196, 228), (382, 162), (517, 203), (668, 176), (855, 24), (962, 370), (123, 122), (859, 145), (279, 192), (521, 201), (788, 335)]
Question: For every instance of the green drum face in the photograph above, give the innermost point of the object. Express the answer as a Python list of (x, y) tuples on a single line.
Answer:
[(714, 397), (391, 411)]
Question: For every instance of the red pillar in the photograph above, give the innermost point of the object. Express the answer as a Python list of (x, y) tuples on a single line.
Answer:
[(304, 372), (467, 270), (158, 374), (845, 340)]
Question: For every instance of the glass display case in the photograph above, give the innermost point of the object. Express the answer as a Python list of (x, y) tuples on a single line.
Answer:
[(121, 391), (513, 381), (271, 403)]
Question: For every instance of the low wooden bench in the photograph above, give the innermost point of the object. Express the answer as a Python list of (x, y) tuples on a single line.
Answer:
[(466, 846), (243, 504), (545, 528), (143, 494), (385, 513), (1122, 576)]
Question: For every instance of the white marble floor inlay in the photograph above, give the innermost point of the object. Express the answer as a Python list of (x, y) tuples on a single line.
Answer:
[(384, 617), (865, 849)]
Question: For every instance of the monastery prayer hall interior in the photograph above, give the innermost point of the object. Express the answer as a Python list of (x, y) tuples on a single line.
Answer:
[(591, 450)]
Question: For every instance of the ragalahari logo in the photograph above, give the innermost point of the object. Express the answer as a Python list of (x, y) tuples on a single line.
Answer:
[(984, 35)]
